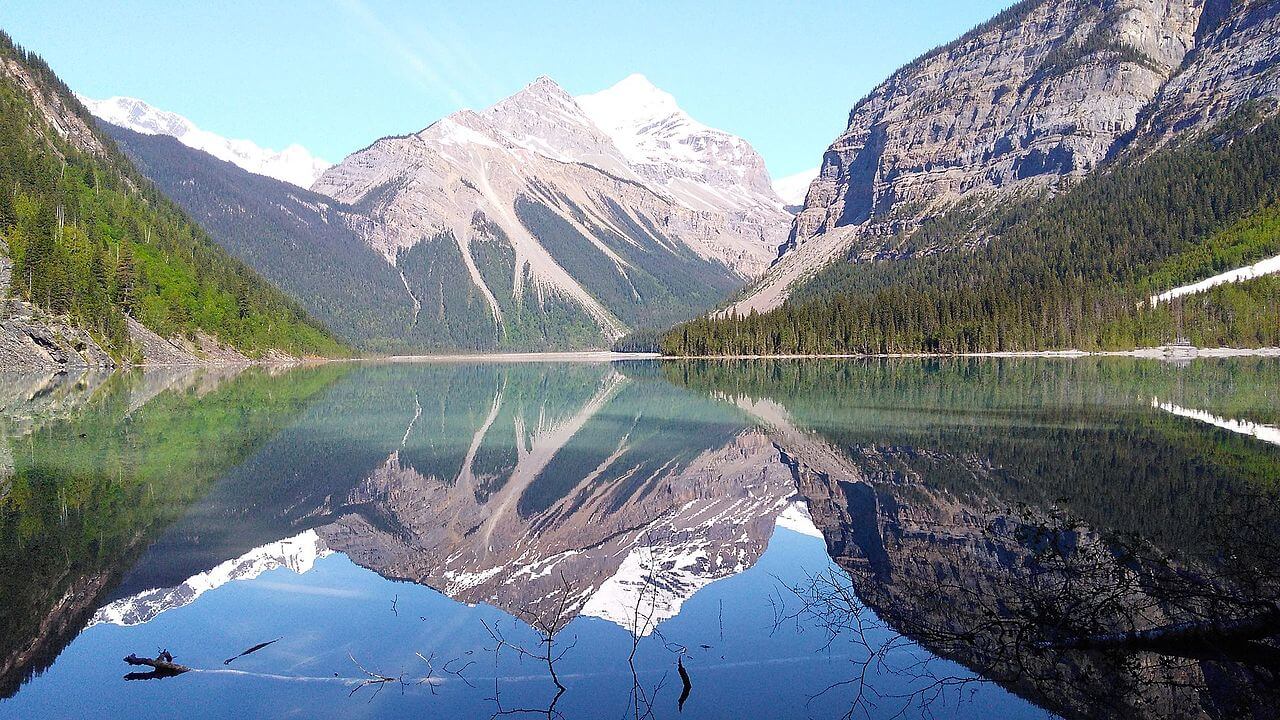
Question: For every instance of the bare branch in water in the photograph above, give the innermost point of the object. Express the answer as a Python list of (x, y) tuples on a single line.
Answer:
[(251, 650)]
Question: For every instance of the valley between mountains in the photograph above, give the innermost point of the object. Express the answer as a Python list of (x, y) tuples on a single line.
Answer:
[(545, 222)]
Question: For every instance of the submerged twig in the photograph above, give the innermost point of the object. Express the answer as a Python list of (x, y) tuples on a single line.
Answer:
[(251, 650)]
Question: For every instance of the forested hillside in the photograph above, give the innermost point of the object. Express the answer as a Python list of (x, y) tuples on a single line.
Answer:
[(90, 238), (1074, 270), (296, 238)]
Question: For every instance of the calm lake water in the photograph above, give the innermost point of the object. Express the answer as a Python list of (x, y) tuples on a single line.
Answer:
[(802, 539)]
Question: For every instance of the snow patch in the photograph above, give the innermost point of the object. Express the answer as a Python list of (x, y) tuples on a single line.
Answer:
[(1265, 267), (298, 553), (293, 165), (796, 518), (793, 188)]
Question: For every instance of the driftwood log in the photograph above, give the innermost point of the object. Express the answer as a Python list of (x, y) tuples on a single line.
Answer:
[(162, 666)]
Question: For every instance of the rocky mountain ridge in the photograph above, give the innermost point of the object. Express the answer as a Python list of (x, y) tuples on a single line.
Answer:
[(539, 211), (295, 164), (1026, 103), (543, 222)]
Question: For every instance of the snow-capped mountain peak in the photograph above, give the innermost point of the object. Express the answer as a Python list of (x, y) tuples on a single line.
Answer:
[(793, 188), (702, 167), (546, 119), (299, 554), (293, 165), (632, 103)]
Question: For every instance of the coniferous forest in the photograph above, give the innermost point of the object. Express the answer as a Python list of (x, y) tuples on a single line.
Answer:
[(90, 238), (1074, 270)]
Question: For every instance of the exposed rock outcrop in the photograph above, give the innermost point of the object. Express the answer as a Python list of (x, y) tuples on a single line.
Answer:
[(613, 213), (31, 339), (1237, 59), (1027, 103)]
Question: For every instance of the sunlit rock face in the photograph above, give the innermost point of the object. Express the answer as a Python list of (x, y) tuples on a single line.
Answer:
[(1027, 103), (616, 207)]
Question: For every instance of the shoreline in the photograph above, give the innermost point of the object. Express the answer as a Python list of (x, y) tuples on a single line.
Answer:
[(1165, 353), (1152, 353), (518, 357)]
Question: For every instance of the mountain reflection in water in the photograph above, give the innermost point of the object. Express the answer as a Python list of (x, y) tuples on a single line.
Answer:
[(809, 539)]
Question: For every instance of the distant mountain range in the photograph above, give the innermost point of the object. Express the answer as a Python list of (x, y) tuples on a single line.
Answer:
[(99, 268), (293, 165), (1054, 178), (542, 222)]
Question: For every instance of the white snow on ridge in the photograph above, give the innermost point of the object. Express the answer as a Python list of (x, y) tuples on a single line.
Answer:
[(295, 164), (631, 109), (666, 145), (1265, 267), (796, 518), (793, 188)]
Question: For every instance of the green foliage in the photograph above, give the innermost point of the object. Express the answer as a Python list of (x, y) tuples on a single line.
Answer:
[(644, 340), (295, 238), (1070, 271), (1255, 237), (88, 493), (92, 239)]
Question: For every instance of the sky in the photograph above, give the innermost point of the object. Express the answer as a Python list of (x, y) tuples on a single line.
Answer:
[(335, 75)]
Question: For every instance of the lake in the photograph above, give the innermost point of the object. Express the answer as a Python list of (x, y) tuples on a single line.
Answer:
[(1012, 538)]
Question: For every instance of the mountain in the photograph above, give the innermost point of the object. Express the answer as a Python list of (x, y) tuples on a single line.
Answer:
[(299, 554), (299, 240), (1033, 100), (101, 267), (543, 222), (293, 165), (527, 224), (793, 188), (490, 483), (1030, 184), (701, 167)]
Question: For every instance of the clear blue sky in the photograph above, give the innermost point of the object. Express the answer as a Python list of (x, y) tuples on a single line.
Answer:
[(334, 75)]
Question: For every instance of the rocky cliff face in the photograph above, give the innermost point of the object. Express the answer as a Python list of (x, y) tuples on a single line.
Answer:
[(1236, 60), (1033, 99), (56, 111)]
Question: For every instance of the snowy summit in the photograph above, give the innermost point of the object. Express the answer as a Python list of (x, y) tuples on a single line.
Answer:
[(293, 165)]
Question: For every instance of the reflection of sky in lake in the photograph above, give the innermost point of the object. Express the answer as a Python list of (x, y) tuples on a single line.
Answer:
[(169, 510), (753, 666)]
